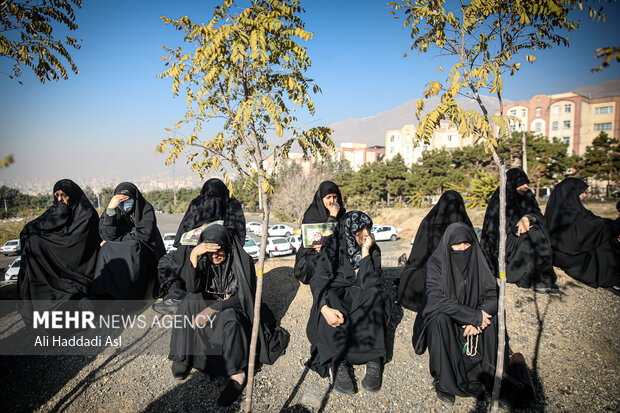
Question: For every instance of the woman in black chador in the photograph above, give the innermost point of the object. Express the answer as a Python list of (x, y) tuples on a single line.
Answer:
[(131, 246), (327, 206), (449, 209), (348, 317), (213, 204), (584, 245), (528, 248), (59, 251), (221, 284), (457, 320)]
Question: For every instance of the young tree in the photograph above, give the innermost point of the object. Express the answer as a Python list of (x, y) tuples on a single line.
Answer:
[(244, 75), (602, 160), (484, 39)]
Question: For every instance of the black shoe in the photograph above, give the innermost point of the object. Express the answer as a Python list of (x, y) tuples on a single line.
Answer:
[(543, 288), (444, 396), (180, 370), (372, 380), (230, 393), (167, 306), (553, 288), (343, 382)]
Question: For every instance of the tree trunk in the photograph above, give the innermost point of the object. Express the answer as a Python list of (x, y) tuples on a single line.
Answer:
[(537, 187), (264, 200), (524, 150), (501, 320)]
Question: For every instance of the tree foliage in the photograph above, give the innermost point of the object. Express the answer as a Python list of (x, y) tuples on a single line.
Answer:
[(28, 37), (602, 159)]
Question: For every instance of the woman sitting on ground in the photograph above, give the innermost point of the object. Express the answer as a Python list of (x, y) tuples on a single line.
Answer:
[(349, 315)]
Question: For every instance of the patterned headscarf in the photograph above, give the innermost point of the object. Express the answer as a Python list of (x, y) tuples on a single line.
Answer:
[(351, 223)]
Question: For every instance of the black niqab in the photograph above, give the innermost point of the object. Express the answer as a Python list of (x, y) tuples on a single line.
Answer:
[(449, 209)]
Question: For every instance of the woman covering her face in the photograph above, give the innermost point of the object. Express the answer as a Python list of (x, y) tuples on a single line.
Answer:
[(449, 209), (457, 320), (584, 245), (59, 251), (348, 317), (132, 245), (221, 285), (327, 206)]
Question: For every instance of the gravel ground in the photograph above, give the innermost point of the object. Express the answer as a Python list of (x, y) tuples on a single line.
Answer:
[(571, 342)]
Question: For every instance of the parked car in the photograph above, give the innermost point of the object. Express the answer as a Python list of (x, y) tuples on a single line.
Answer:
[(255, 227), (384, 232), (11, 247), (280, 230), (13, 270), (278, 246), (295, 241), (169, 241), (251, 247)]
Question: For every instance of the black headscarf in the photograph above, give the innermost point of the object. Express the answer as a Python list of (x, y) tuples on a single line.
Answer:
[(517, 206), (59, 249), (213, 204), (449, 209), (316, 212), (572, 228), (222, 275), (458, 284), (350, 224)]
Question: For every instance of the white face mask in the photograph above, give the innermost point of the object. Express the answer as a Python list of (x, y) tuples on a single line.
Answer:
[(127, 206)]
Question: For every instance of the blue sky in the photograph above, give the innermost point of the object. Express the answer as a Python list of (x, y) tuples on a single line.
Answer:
[(111, 115)]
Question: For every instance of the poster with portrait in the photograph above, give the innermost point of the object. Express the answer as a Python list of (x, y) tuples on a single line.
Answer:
[(193, 236), (313, 234)]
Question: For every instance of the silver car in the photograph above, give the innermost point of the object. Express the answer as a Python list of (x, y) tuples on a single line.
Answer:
[(11, 273)]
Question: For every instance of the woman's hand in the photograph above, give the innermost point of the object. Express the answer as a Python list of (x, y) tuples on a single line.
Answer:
[(486, 320), (523, 226), (333, 209), (201, 249), (471, 330), (368, 243), (333, 317), (204, 317), (117, 200)]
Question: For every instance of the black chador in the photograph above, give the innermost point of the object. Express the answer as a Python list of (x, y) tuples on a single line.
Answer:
[(449, 209), (229, 289), (127, 260), (317, 213), (213, 204), (584, 245), (345, 281), (59, 251), (528, 256), (459, 288)]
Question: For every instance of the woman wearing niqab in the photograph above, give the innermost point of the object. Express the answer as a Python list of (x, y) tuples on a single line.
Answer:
[(132, 245), (460, 297), (327, 195), (528, 248), (349, 315), (59, 251), (449, 209), (584, 245), (213, 204), (221, 285)]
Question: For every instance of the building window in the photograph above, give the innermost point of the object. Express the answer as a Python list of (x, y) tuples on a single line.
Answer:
[(568, 108), (539, 112), (392, 138), (392, 150), (538, 126), (513, 112), (566, 140), (603, 110), (555, 125), (513, 127), (408, 150), (602, 126), (555, 109), (523, 113), (567, 124)]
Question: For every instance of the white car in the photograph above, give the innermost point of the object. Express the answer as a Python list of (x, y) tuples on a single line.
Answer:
[(280, 230), (251, 248), (384, 233), (13, 270), (295, 241), (278, 246), (11, 247), (169, 241), (255, 227)]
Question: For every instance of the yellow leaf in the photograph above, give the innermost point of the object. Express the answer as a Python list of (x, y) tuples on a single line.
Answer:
[(178, 124)]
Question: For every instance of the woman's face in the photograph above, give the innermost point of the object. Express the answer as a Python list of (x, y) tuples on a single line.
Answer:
[(61, 196), (329, 200), (362, 234), (218, 256), (461, 246)]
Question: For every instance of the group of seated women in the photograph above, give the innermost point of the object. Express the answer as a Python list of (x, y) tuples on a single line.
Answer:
[(449, 279)]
